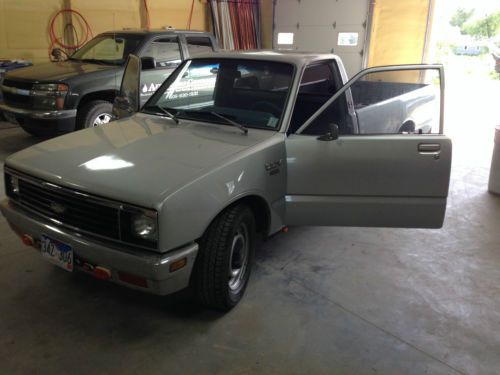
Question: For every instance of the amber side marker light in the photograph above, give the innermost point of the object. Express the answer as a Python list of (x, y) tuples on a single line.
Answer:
[(178, 264)]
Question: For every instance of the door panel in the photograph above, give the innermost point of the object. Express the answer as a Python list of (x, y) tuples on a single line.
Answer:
[(390, 180)]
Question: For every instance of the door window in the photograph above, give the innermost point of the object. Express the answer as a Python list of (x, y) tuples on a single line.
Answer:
[(319, 82), (390, 100), (399, 101), (165, 51), (198, 45)]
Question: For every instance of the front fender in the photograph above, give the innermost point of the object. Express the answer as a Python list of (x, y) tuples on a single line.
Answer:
[(187, 213)]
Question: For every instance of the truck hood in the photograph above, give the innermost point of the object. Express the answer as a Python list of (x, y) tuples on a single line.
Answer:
[(140, 160), (59, 71)]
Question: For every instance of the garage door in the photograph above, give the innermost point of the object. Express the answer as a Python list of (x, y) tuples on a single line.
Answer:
[(323, 26)]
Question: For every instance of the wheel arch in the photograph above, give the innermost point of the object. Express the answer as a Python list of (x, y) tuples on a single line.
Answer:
[(259, 207), (107, 95)]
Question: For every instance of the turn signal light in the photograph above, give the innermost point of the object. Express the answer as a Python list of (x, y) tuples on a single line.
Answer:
[(102, 273), (178, 264), (27, 240)]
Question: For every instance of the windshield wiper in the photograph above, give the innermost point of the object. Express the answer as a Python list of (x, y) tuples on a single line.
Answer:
[(169, 114), (229, 121)]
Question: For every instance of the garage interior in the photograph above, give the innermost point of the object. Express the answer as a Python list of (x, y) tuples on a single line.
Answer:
[(321, 300)]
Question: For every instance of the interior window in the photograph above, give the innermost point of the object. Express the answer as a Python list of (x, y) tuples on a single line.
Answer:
[(165, 51), (319, 82), (197, 45)]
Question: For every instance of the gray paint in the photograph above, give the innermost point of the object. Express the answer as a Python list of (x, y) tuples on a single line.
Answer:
[(189, 172)]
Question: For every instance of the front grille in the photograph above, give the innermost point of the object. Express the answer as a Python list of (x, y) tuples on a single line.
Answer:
[(76, 210), (18, 84), (21, 101), (16, 100), (69, 209)]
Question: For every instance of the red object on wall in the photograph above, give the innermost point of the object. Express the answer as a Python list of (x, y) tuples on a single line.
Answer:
[(236, 23)]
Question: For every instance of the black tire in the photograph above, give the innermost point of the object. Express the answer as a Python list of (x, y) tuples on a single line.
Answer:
[(218, 256), (89, 112)]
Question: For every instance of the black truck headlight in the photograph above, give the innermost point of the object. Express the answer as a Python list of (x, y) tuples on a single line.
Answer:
[(11, 185), (144, 225), (139, 226), (49, 95)]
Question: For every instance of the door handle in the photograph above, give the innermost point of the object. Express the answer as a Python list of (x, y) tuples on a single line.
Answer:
[(429, 148)]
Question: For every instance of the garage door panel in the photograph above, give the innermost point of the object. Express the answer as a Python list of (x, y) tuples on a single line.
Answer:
[(320, 22), (287, 13), (307, 36), (327, 12)]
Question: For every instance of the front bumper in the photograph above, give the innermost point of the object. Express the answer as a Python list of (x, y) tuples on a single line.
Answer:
[(40, 121), (154, 268)]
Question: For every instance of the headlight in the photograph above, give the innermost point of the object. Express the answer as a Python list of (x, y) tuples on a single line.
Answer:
[(144, 225), (50, 89), (49, 95), (14, 181), (11, 185)]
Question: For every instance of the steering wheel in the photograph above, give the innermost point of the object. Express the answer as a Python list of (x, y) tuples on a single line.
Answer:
[(267, 107)]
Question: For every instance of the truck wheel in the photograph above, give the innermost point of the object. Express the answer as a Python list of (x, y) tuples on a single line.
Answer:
[(225, 258), (94, 113)]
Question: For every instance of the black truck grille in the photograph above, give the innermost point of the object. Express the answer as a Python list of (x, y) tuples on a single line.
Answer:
[(16, 100), (70, 209), (18, 84)]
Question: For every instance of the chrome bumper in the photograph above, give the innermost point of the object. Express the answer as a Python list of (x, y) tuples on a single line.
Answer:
[(155, 268), (39, 114)]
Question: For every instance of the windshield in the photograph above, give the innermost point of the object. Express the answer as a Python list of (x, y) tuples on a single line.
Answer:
[(250, 93), (108, 49)]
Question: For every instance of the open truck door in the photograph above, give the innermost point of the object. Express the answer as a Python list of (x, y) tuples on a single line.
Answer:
[(338, 174), (128, 100)]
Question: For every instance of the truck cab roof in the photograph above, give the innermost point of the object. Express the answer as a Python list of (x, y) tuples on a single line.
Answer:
[(291, 57), (154, 32)]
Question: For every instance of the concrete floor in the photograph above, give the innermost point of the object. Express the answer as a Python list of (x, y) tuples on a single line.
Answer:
[(321, 301)]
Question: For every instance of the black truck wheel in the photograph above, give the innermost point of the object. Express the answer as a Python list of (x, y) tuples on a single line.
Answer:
[(94, 113), (225, 258)]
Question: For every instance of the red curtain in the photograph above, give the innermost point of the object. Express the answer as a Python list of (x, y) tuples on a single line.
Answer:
[(243, 18)]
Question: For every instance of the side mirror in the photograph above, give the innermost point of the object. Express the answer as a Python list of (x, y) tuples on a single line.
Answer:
[(148, 63), (58, 53), (127, 101), (332, 134)]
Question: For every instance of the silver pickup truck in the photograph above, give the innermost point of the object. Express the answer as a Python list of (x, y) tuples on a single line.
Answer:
[(232, 145)]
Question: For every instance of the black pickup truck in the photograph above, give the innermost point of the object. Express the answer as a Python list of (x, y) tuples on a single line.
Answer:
[(78, 93)]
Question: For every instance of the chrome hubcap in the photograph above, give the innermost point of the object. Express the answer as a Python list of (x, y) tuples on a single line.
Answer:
[(238, 260), (102, 119)]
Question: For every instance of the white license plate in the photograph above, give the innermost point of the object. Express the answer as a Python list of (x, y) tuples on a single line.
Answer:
[(10, 118), (57, 252)]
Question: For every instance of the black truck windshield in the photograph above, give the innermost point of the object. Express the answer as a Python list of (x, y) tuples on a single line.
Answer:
[(108, 49), (250, 93)]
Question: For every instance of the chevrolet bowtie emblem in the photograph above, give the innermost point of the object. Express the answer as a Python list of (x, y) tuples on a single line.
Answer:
[(57, 208)]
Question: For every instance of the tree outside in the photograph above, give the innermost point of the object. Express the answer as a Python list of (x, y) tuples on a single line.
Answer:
[(465, 37)]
